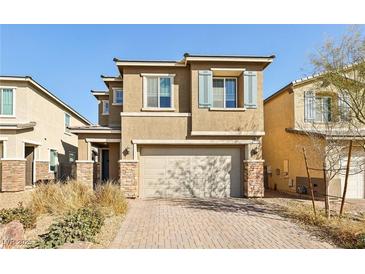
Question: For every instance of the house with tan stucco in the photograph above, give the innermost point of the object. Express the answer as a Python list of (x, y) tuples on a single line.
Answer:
[(186, 128), (35, 142), (291, 114)]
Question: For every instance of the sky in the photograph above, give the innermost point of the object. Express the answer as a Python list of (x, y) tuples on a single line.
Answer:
[(69, 59)]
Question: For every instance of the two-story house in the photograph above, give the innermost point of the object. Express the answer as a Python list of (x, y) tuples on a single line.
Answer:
[(188, 128), (302, 107), (35, 142)]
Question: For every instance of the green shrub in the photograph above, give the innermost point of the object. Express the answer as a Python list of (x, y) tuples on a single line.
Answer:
[(21, 214), (80, 225), (110, 199)]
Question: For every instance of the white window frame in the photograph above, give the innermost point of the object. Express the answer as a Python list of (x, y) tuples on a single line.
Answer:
[(14, 102), (56, 160), (65, 126), (145, 76), (224, 90), (320, 97), (115, 90), (103, 105)]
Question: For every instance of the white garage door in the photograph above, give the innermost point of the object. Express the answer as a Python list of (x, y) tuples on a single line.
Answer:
[(190, 172), (355, 186)]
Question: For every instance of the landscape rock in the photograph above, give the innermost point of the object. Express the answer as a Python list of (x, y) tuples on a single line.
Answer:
[(12, 235)]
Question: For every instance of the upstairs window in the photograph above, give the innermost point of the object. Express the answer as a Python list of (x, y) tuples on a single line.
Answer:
[(67, 122), (344, 107), (117, 97), (105, 107), (158, 92), (224, 92), (317, 108), (6, 102)]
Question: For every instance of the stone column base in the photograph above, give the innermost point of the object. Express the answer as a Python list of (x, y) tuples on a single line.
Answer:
[(253, 178), (12, 174), (85, 172), (129, 177), (42, 172)]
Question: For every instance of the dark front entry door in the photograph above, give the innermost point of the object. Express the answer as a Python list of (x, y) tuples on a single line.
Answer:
[(29, 157), (105, 165)]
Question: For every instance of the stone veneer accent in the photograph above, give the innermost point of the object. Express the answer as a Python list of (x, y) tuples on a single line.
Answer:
[(253, 178), (129, 177), (42, 172), (12, 175), (85, 172)]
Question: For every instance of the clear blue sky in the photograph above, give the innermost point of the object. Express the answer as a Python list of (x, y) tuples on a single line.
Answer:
[(69, 59)]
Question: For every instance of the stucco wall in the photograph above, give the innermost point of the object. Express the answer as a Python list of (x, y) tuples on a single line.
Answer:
[(114, 110), (33, 105), (133, 87), (279, 145), (204, 119)]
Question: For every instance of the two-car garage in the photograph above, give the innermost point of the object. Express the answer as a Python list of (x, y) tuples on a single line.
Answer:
[(190, 172)]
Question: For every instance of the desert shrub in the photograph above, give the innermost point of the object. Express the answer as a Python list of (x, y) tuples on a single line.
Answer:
[(81, 225), (22, 214), (110, 199), (344, 232), (60, 198)]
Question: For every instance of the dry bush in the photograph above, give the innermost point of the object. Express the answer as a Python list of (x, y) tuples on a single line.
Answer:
[(344, 232), (110, 199), (61, 198)]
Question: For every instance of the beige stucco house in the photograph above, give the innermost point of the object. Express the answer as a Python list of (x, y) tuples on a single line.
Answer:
[(188, 128), (292, 112), (35, 143)]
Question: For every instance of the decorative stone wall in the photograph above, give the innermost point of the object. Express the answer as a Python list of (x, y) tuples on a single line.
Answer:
[(12, 175), (42, 172), (85, 172), (129, 178), (253, 178)]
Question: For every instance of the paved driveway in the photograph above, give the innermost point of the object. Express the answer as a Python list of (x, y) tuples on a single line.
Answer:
[(193, 223)]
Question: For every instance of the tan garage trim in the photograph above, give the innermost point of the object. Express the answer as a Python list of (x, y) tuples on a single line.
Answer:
[(194, 142)]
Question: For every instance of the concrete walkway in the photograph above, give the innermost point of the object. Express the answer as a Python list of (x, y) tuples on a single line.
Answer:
[(195, 223)]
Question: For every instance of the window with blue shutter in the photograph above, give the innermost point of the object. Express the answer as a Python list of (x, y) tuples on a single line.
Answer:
[(250, 89), (205, 88)]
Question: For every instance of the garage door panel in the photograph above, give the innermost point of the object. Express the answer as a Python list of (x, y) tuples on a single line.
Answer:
[(190, 172), (356, 180)]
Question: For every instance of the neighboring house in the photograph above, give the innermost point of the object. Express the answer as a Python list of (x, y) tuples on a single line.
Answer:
[(301, 107), (35, 142), (189, 128)]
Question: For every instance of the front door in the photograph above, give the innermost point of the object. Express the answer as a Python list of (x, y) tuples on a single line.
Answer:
[(29, 157), (105, 164)]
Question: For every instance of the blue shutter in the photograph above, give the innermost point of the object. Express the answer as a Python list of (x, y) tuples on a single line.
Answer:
[(250, 89), (205, 88)]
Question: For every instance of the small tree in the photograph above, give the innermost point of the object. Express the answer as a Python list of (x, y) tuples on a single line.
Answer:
[(340, 67)]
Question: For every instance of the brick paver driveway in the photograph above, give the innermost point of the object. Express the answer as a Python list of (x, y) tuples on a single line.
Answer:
[(194, 223)]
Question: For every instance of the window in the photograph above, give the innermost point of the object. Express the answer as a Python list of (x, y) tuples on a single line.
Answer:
[(224, 92), (105, 107), (317, 108), (67, 122), (323, 109), (71, 156), (117, 96), (7, 101), (344, 107), (158, 92), (53, 160)]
